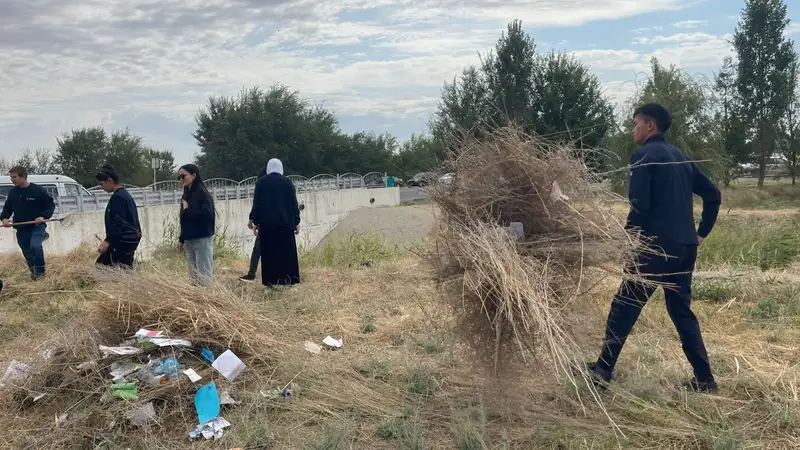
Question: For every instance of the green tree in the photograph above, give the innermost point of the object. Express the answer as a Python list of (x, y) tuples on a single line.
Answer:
[(465, 107), (552, 95), (418, 154), (166, 169), (729, 129), (764, 59), (690, 105), (570, 106), (237, 136), (509, 73), (81, 152), (790, 124)]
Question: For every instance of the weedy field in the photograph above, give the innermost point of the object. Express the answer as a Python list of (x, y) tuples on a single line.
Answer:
[(403, 379)]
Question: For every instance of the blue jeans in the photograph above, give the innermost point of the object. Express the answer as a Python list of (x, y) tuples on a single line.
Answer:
[(200, 260), (30, 241)]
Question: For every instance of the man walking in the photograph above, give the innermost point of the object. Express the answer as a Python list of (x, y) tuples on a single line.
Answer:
[(28, 202), (662, 182), (255, 256)]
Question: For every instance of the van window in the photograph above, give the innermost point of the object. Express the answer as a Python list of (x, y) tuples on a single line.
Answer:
[(51, 189), (72, 190), (4, 190)]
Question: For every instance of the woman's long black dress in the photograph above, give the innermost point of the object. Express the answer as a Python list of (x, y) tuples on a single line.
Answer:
[(276, 213)]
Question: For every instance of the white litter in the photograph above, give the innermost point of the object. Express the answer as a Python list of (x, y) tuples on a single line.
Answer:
[(333, 343), (193, 376), (213, 428), (229, 365), (119, 350), (142, 415), (142, 333), (312, 347)]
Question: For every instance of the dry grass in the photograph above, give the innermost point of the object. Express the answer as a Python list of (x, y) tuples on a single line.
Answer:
[(405, 381), (511, 294)]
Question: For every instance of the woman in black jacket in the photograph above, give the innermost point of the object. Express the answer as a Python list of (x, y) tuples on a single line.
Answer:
[(197, 225), (276, 216), (123, 230)]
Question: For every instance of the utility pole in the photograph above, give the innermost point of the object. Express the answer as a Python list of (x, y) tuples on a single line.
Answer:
[(154, 163)]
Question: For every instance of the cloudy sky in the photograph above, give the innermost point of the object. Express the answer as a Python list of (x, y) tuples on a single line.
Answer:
[(149, 65)]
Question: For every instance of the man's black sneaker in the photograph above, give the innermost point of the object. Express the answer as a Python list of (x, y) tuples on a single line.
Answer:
[(1, 285), (600, 377), (700, 386), (248, 278)]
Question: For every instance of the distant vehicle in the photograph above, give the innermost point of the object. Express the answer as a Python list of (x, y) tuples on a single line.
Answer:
[(55, 185), (446, 178), (421, 179)]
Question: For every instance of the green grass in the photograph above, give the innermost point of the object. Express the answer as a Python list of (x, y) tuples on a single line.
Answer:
[(367, 324), (352, 250), (761, 242), (774, 195), (407, 431), (422, 382)]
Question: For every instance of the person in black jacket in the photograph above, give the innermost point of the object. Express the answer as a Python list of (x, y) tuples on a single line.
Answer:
[(662, 182), (28, 202), (123, 231), (276, 215), (255, 256), (197, 225)]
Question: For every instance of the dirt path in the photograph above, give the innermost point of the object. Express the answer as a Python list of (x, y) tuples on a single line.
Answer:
[(403, 226)]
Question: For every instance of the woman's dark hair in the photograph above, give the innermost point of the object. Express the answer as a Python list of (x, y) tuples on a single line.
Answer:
[(198, 187), (106, 173)]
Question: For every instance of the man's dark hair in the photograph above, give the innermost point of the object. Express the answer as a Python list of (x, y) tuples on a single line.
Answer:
[(107, 172), (657, 114), (19, 171)]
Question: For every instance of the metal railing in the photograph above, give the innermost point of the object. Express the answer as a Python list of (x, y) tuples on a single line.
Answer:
[(169, 192)]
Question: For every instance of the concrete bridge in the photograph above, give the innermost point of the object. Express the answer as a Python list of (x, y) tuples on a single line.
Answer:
[(320, 211)]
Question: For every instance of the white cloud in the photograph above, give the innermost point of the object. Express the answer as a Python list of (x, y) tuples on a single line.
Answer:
[(647, 30), (690, 24), (74, 63), (688, 52), (793, 28), (675, 38)]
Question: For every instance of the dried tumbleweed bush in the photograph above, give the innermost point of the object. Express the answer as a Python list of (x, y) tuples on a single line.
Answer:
[(510, 293)]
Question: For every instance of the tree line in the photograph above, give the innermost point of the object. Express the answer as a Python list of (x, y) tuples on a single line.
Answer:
[(746, 114)]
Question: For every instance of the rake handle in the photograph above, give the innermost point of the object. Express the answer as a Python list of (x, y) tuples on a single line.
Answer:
[(32, 222)]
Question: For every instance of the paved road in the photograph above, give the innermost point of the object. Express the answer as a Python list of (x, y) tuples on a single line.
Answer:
[(410, 194)]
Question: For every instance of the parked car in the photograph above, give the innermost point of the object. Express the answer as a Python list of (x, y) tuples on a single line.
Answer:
[(421, 179), (446, 178), (55, 185)]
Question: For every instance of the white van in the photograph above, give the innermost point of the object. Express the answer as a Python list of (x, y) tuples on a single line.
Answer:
[(56, 185)]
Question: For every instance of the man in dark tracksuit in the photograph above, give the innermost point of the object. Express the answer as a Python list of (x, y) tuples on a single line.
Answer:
[(28, 202), (662, 182)]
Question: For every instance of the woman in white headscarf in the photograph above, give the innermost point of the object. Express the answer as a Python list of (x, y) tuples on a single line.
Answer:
[(276, 215)]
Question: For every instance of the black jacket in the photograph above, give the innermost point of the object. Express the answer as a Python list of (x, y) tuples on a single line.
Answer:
[(275, 203), (122, 219), (197, 221), (662, 181), (28, 203)]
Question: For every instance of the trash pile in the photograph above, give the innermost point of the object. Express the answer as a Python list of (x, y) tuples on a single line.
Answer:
[(143, 372)]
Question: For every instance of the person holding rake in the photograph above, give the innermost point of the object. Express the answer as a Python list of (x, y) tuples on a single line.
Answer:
[(31, 204)]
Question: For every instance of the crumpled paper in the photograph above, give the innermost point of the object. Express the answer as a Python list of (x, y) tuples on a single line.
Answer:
[(213, 428)]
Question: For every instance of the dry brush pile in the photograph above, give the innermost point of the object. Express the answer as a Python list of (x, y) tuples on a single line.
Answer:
[(66, 387), (512, 294)]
